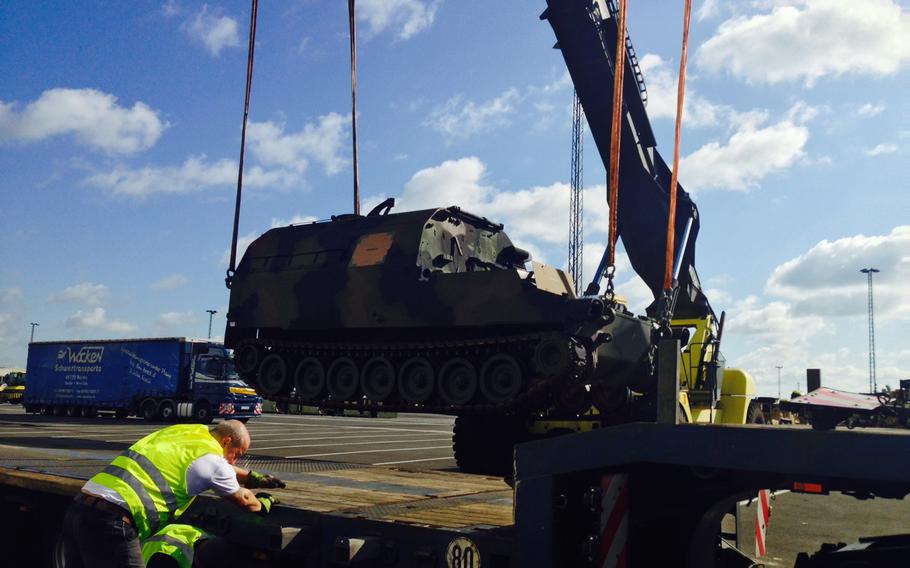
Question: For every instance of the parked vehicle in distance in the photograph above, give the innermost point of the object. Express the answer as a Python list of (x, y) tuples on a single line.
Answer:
[(158, 379), (12, 385)]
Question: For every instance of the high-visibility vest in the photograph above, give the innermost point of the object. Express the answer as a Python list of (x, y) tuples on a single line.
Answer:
[(175, 540), (151, 475)]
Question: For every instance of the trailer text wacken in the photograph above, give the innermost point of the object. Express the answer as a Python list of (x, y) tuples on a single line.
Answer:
[(86, 360)]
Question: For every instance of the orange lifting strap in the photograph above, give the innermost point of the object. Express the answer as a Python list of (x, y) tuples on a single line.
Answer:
[(680, 93), (613, 185)]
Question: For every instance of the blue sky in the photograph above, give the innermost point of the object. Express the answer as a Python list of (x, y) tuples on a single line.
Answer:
[(120, 125)]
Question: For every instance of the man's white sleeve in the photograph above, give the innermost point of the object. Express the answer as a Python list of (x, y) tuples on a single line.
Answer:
[(211, 472)]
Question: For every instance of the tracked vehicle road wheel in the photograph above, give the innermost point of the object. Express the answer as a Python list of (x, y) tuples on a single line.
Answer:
[(500, 378), (247, 359), (552, 356), (342, 378), (416, 380), (377, 379), (273, 376), (309, 378), (457, 381)]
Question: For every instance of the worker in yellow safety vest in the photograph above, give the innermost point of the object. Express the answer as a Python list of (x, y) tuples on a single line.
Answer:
[(137, 497), (174, 545)]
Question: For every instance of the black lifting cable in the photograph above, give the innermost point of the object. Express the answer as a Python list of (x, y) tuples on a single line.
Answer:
[(246, 114), (353, 29)]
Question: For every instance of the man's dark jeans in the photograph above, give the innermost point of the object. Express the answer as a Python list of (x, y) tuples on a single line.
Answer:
[(95, 538)]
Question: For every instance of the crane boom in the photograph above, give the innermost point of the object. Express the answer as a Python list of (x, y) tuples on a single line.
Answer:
[(586, 33)]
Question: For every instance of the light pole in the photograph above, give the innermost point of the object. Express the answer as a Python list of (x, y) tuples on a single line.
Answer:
[(778, 380), (34, 325), (873, 385), (211, 313)]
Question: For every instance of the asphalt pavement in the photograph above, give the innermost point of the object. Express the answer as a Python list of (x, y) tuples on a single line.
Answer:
[(417, 440)]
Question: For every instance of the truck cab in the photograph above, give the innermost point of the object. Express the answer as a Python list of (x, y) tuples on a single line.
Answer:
[(12, 387), (216, 387)]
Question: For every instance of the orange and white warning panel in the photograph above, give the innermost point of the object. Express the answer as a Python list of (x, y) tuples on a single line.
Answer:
[(614, 521), (762, 514)]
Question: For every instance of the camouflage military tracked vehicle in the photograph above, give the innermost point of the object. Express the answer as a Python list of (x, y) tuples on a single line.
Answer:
[(434, 310)]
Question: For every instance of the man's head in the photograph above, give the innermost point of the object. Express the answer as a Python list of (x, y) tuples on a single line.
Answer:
[(233, 437)]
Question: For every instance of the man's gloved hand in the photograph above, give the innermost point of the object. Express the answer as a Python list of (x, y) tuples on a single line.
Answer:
[(266, 501), (256, 480)]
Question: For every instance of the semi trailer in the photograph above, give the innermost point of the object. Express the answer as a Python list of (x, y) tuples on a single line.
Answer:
[(157, 379), (636, 495)]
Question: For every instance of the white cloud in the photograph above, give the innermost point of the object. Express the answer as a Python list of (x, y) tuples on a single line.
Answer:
[(97, 319), (881, 149), (559, 86), (457, 119), (303, 46), (752, 152), (84, 293), (93, 117), (826, 279), (171, 8), (295, 220), (195, 174), (831, 37), (774, 320), (12, 324), (242, 243), (662, 94), (452, 182), (7, 333), (707, 10), (869, 110), (321, 141), (214, 31), (404, 18), (171, 282), (176, 319)]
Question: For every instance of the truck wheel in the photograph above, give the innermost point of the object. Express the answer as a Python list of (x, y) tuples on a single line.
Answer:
[(59, 410), (89, 412), (72, 411), (202, 412), (149, 409), (167, 411)]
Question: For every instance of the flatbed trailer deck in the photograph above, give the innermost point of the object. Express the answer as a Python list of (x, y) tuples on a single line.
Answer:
[(319, 494), (680, 479)]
